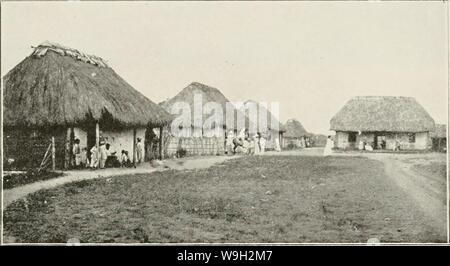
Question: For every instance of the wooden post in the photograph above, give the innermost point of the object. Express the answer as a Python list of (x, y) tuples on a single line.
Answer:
[(160, 142), (53, 154), (97, 140), (134, 147)]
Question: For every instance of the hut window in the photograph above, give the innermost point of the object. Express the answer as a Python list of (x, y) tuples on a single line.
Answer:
[(412, 137), (352, 137)]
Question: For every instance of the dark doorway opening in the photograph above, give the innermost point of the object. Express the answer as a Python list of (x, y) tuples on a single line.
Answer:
[(380, 141)]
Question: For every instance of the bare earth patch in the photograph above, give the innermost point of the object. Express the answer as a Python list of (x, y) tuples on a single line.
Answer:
[(251, 199)]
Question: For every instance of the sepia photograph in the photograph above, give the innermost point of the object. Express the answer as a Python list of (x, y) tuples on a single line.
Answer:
[(224, 122)]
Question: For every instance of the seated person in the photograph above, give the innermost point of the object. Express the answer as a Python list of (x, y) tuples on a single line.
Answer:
[(368, 147), (111, 158), (237, 143), (125, 161)]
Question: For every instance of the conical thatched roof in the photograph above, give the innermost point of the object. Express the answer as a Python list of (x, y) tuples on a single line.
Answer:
[(295, 129), (382, 113), (57, 85), (271, 119), (440, 131), (207, 93)]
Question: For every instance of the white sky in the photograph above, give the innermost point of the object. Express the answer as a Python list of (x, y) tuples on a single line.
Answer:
[(310, 57)]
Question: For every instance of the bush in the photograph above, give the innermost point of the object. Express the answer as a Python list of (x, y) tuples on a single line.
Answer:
[(181, 153), (291, 146)]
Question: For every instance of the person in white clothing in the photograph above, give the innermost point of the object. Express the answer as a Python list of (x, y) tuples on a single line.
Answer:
[(277, 144), (256, 149), (139, 151), (262, 143), (328, 147)]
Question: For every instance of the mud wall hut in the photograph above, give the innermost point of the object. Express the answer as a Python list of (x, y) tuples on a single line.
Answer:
[(439, 138), (198, 138), (382, 122), (296, 135), (62, 94)]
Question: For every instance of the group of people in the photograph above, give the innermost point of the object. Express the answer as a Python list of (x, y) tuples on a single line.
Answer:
[(103, 156), (243, 143)]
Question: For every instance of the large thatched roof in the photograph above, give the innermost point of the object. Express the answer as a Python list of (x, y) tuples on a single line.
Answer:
[(271, 119), (440, 131), (295, 129), (57, 85), (382, 113), (207, 93)]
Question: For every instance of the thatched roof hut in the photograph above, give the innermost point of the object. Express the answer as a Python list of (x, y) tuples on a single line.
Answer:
[(439, 131), (57, 85), (382, 113), (295, 129), (207, 93), (271, 119)]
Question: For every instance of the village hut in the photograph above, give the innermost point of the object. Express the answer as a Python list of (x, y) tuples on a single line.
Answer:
[(296, 135), (263, 121), (383, 122), (203, 134), (439, 138), (319, 140), (58, 94)]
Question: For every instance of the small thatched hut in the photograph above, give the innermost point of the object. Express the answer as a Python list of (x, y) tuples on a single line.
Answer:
[(207, 136), (63, 93), (296, 135), (439, 138), (383, 123), (272, 129)]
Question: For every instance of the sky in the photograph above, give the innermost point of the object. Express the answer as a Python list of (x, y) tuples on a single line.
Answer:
[(310, 57)]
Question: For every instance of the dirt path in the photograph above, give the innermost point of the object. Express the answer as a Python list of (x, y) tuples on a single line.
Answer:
[(11, 195), (427, 191)]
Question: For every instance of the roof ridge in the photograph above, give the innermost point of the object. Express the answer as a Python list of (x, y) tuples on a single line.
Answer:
[(42, 49)]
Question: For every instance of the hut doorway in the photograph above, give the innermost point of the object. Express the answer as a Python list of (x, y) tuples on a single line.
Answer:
[(151, 144), (380, 141), (91, 139)]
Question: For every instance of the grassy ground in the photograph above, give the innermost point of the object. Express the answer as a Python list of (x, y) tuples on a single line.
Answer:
[(257, 199), (20, 179)]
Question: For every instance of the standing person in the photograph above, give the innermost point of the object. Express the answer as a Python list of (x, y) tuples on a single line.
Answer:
[(361, 145), (277, 144), (77, 153), (94, 157), (256, 144), (330, 144), (139, 151), (229, 142), (103, 153), (262, 143), (84, 159), (251, 145)]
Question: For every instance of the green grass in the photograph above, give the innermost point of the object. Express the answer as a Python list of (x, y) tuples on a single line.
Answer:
[(255, 199)]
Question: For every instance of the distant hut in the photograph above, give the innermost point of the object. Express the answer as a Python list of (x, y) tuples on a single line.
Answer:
[(272, 129), (62, 94), (382, 122), (295, 136), (200, 138), (439, 138), (319, 140)]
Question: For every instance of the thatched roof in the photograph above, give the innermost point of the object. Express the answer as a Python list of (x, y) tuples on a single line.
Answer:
[(382, 113), (295, 129), (57, 85), (439, 131), (271, 119), (207, 93)]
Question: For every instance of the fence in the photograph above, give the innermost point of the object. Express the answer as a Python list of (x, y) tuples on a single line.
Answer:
[(194, 146), (24, 149)]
